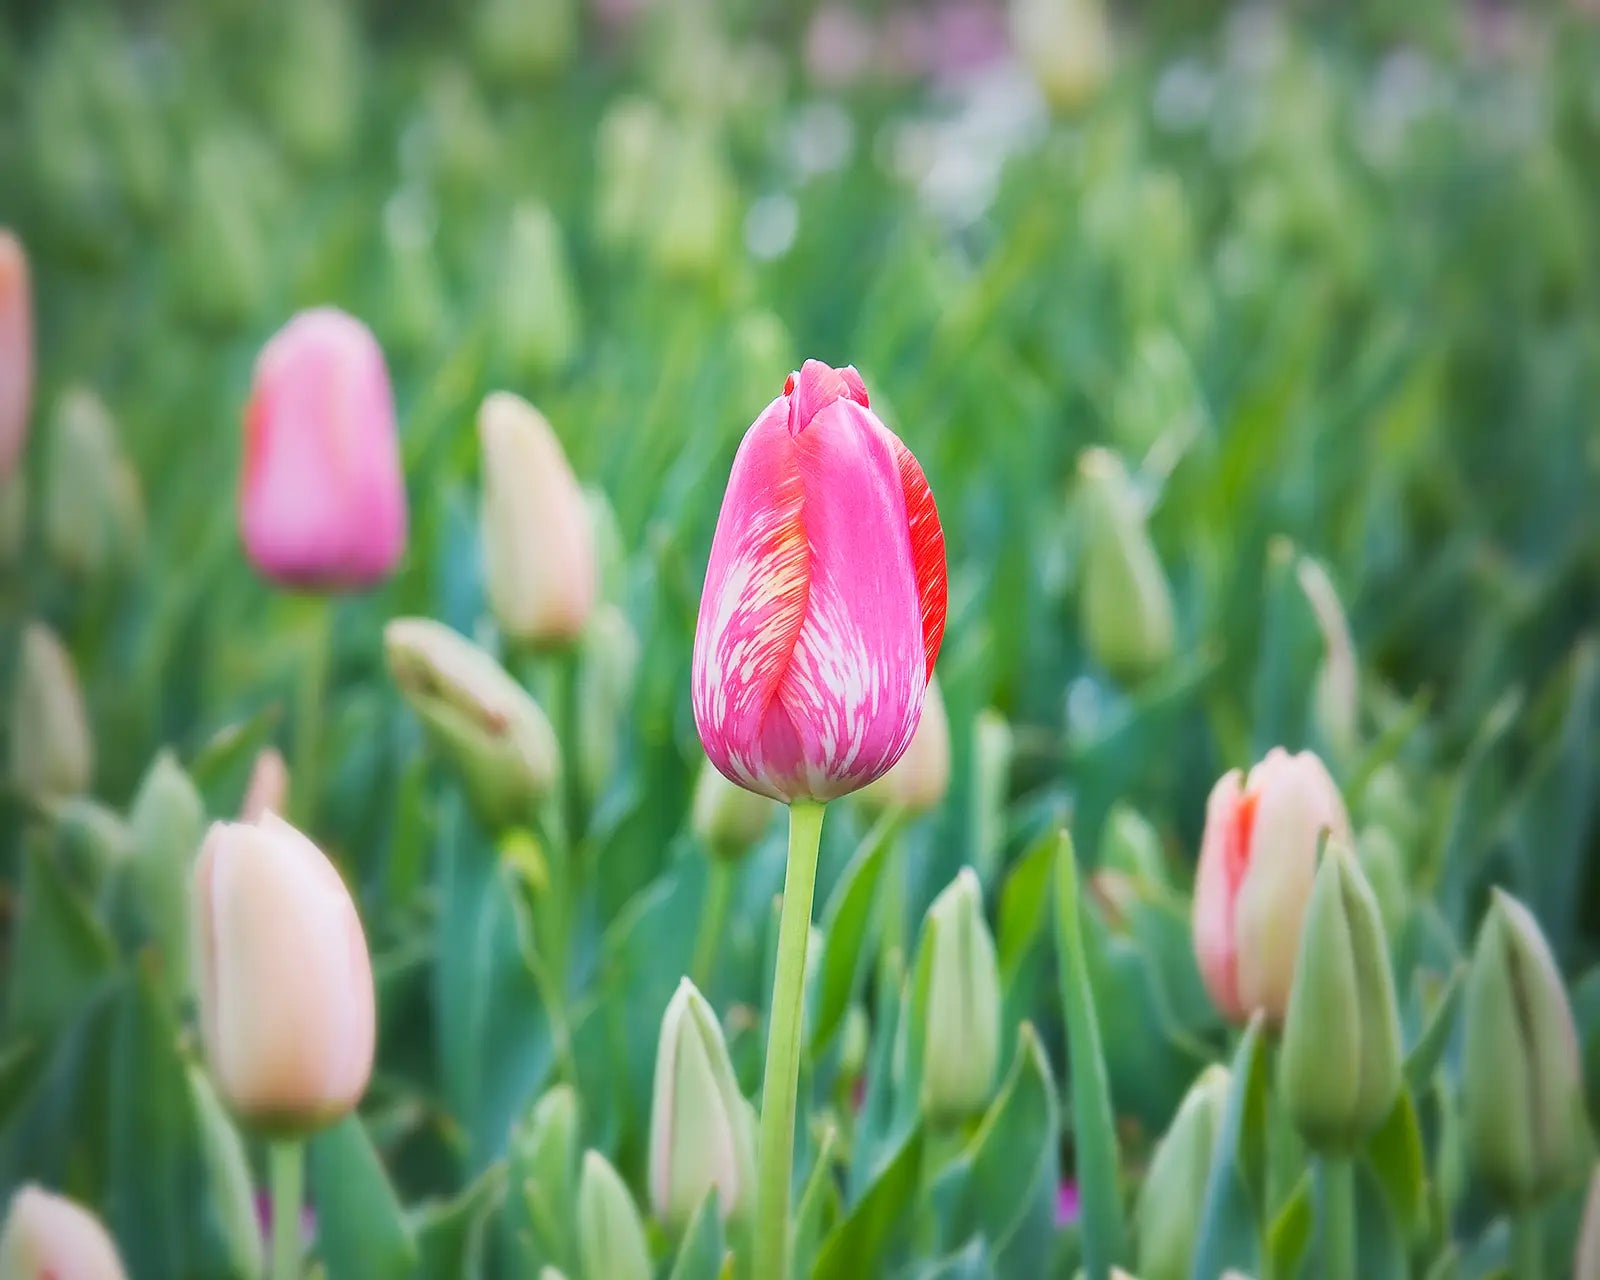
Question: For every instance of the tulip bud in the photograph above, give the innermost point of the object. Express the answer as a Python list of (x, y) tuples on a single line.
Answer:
[(287, 1009), (52, 754), (855, 1042), (1336, 689), (93, 511), (225, 269), (1586, 1266), (1341, 1038), (268, 788), (481, 718), (1257, 861), (919, 778), (315, 78), (694, 211), (628, 150), (1173, 1196), (1522, 1081), (537, 317), (1125, 605), (538, 544), (48, 1237), (611, 1240), (166, 826), (700, 1130), (1385, 871), (728, 820), (524, 39), (961, 1036), (1130, 845), (16, 354), (992, 748), (322, 502), (1066, 45)]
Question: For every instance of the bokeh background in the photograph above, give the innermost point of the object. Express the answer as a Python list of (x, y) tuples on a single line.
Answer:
[(1326, 277)]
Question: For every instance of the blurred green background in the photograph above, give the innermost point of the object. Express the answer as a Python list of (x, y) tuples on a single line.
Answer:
[(1326, 277)]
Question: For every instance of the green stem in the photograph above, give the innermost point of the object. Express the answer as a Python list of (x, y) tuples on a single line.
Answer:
[(1527, 1247), (569, 692), (311, 711), (286, 1167), (892, 944), (780, 1086), (1338, 1218), (713, 916)]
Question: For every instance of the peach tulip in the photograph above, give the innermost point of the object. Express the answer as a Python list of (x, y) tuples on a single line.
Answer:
[(48, 1237)]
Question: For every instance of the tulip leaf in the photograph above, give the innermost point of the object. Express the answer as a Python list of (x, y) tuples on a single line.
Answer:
[(541, 1211), (819, 1205), (1229, 1235), (1025, 903), (845, 921), (453, 1237), (362, 1233), (60, 955), (230, 747), (1289, 1236), (1094, 1127), (701, 1254), (1426, 1054), (853, 1248), (969, 1263), (1400, 1165)]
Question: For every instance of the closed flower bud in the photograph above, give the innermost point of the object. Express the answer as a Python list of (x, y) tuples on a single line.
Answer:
[(700, 1130), (1066, 44), (1522, 1080), (538, 542), (1385, 870), (1130, 845), (487, 723), (961, 1036), (1341, 1039), (824, 599), (16, 354), (693, 212), (166, 825), (628, 151), (520, 40), (1336, 689), (1125, 603), (268, 788), (93, 510), (1257, 861), (1173, 1197), (52, 754), (727, 819), (920, 778), (287, 1008), (611, 1240), (314, 79), (322, 503), (48, 1237), (1586, 1266), (537, 315)]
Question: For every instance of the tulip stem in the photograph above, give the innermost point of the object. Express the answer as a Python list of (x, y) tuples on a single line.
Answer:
[(1338, 1218), (1527, 1247), (310, 710), (286, 1168), (781, 1081), (713, 915)]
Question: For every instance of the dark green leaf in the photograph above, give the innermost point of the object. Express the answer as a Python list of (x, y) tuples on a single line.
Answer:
[(845, 921), (361, 1232)]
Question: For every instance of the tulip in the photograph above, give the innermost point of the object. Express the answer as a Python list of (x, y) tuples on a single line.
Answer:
[(1586, 1266), (52, 754), (611, 1240), (919, 779), (1131, 846), (693, 207), (538, 542), (322, 503), (1522, 1074), (1174, 1192), (699, 1124), (1341, 1038), (1257, 861), (16, 353), (1066, 45), (480, 717), (166, 825), (824, 600), (268, 788), (286, 996), (1126, 604), (961, 1035), (93, 510), (537, 316), (628, 151), (48, 1237), (726, 819)]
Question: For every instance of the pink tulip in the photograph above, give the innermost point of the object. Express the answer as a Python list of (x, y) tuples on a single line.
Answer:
[(16, 353), (824, 600), (322, 502), (1257, 861), (48, 1237)]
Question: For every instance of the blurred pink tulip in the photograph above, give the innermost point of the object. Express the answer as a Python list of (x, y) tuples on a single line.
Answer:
[(16, 352), (322, 501), (268, 788), (286, 999), (1258, 858), (48, 1237), (824, 600)]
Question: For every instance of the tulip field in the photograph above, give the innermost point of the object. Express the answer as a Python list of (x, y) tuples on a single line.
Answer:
[(671, 640)]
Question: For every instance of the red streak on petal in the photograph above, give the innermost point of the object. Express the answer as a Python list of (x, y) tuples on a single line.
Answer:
[(1238, 847), (927, 550)]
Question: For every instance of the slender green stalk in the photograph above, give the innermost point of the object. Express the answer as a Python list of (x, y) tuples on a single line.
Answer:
[(781, 1083), (286, 1169), (569, 690), (713, 916), (892, 937), (311, 710), (1337, 1176), (1527, 1247)]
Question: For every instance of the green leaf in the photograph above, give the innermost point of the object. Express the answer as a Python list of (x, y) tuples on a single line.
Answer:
[(230, 747), (1230, 1229), (1290, 1234), (227, 1171), (819, 1205), (1425, 1055), (854, 1247), (845, 921), (1400, 1164), (61, 953), (542, 1193), (970, 1263), (1025, 903), (362, 1233), (701, 1254), (452, 1238), (1093, 1125)]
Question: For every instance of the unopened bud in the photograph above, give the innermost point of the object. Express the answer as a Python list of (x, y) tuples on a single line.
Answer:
[(521, 40), (93, 508), (727, 819), (268, 788), (1336, 691), (482, 719), (1522, 1078), (628, 149), (1341, 1038), (961, 1037), (1172, 1201), (992, 748), (1066, 44), (920, 778), (695, 210), (611, 1240), (1385, 870), (48, 1237), (166, 826), (16, 354), (1130, 845), (537, 316), (52, 754), (1125, 603)]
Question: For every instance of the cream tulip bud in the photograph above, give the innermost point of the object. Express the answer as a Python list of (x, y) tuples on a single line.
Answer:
[(727, 819), (700, 1129), (48, 1237), (268, 788), (536, 317), (1066, 45), (538, 544), (961, 1038), (52, 754), (1126, 603), (1172, 1201), (287, 1010), (919, 779), (611, 1239), (93, 508)]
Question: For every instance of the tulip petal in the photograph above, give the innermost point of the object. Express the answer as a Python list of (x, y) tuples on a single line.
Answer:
[(927, 548), (1221, 868)]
